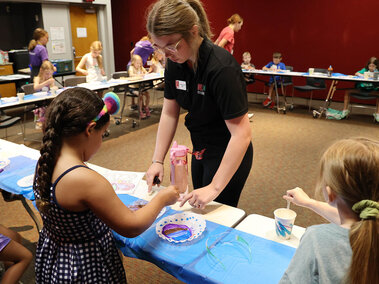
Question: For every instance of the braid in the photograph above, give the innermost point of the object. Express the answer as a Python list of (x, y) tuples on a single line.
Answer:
[(68, 115)]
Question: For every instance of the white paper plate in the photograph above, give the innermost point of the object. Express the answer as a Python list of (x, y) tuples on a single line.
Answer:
[(4, 162), (40, 94), (194, 222), (140, 203), (9, 99), (26, 181)]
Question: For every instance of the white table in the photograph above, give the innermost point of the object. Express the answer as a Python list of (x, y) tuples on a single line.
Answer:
[(264, 227)]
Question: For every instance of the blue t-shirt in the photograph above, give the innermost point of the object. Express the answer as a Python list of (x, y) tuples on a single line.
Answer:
[(280, 66)]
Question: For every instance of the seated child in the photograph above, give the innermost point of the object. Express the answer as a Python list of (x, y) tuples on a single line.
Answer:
[(137, 70), (43, 82), (158, 66), (366, 87), (346, 250), (15, 256), (274, 65), (247, 65), (78, 206)]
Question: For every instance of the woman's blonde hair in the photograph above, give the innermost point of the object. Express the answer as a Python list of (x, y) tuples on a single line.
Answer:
[(168, 17), (350, 167), (97, 46), (37, 35), (235, 18), (46, 65)]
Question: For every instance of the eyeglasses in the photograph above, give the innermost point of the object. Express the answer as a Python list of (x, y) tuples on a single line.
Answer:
[(173, 48)]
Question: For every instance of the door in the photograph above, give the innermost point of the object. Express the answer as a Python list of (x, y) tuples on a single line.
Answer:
[(83, 30)]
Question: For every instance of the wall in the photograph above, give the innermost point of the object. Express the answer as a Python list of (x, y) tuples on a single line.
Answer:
[(314, 33)]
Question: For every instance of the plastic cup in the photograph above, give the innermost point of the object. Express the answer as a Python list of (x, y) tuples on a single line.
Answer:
[(20, 97), (366, 75), (311, 71), (284, 220)]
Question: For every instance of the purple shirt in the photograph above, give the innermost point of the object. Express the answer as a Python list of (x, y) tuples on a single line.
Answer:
[(38, 55), (4, 241), (143, 49)]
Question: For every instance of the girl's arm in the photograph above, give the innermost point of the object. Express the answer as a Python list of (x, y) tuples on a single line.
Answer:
[(240, 131), (166, 131), (222, 42), (102, 68), (38, 86), (300, 198), (83, 188), (80, 67)]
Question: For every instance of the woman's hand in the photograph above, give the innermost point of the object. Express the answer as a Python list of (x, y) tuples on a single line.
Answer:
[(199, 198), (155, 170), (298, 196)]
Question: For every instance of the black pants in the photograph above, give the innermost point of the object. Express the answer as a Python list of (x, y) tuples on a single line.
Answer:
[(204, 170)]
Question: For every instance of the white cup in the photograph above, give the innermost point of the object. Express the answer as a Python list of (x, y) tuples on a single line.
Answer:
[(366, 75), (284, 220), (311, 71), (20, 97)]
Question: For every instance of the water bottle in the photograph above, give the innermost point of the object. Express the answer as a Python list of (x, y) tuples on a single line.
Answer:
[(330, 71), (179, 168)]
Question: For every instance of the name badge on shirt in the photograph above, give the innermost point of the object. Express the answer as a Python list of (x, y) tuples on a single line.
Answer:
[(200, 89), (181, 85)]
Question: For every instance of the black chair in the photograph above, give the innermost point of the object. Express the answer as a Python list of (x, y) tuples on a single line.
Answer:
[(8, 121), (28, 89), (74, 81), (126, 92), (313, 84), (363, 95)]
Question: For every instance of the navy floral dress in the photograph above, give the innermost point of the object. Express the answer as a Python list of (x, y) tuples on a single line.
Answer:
[(75, 247)]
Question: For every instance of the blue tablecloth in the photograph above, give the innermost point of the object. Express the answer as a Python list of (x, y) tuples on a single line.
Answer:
[(19, 167), (236, 257)]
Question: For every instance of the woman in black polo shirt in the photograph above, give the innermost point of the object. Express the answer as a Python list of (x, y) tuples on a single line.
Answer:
[(207, 81)]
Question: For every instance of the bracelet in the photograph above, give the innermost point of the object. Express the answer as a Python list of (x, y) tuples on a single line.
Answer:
[(156, 162)]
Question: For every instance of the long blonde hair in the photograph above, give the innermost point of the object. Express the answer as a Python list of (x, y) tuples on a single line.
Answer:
[(37, 35), (97, 46), (168, 17), (350, 167), (46, 65)]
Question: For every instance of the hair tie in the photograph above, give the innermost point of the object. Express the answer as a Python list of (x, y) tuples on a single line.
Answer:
[(111, 105), (367, 209)]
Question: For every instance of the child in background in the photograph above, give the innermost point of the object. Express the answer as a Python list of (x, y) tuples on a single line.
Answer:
[(366, 87), (93, 62), (157, 62), (43, 82), (345, 251), (136, 70), (15, 256), (79, 207), (274, 65), (247, 65)]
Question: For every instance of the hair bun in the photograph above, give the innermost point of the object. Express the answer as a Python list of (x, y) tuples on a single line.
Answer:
[(112, 102)]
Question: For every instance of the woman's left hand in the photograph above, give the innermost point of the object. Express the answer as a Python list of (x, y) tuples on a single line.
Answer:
[(199, 198)]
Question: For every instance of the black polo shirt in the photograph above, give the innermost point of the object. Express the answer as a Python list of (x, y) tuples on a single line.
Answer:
[(215, 93)]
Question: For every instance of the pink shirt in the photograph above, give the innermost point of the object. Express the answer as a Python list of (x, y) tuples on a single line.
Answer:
[(228, 34)]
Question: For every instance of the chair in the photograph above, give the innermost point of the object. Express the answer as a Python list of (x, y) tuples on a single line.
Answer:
[(28, 89), (312, 84), (74, 81), (8, 121), (362, 95), (127, 93)]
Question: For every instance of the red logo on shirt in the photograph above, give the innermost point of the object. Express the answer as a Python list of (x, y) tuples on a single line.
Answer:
[(201, 89)]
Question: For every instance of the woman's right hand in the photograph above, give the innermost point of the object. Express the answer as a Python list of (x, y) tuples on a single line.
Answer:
[(169, 195), (298, 197), (155, 170)]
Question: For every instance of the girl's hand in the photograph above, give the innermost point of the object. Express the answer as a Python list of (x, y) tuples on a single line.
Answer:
[(169, 195), (155, 170), (298, 196), (50, 81), (199, 198)]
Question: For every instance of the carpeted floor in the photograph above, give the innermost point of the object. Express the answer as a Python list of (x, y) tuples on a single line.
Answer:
[(287, 149)]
